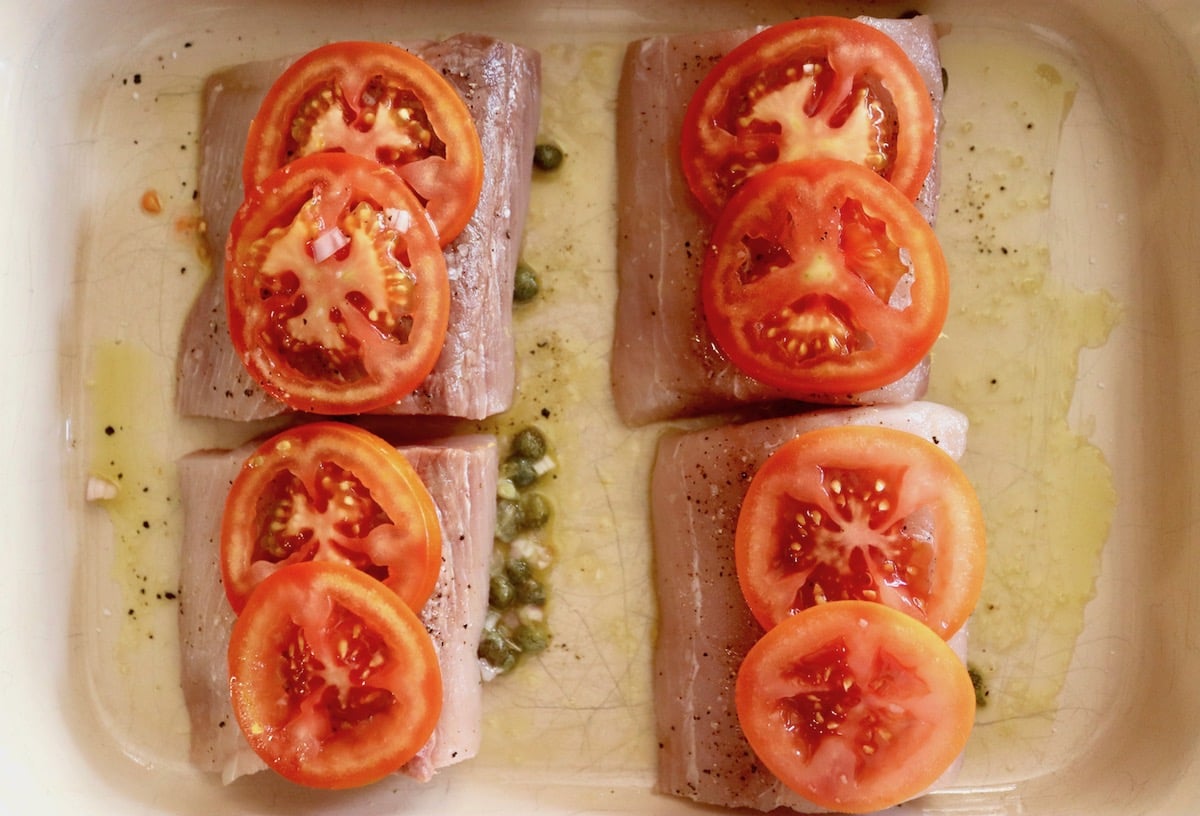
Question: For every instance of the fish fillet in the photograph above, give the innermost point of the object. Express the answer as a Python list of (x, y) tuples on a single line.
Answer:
[(461, 476), (705, 628), (475, 376), (665, 362)]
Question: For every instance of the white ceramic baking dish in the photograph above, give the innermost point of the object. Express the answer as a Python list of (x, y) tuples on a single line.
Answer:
[(99, 103)]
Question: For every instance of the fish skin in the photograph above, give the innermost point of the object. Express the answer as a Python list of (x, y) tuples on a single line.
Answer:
[(705, 629), (460, 473), (665, 362), (475, 374)]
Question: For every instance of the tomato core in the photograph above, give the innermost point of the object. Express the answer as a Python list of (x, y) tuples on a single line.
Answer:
[(387, 121)]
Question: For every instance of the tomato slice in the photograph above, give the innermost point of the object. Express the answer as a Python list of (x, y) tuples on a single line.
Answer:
[(861, 513), (334, 680), (327, 491), (336, 288), (821, 87), (855, 706), (822, 279), (381, 102)]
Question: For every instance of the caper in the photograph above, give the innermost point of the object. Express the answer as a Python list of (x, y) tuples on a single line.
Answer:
[(525, 284), (509, 519), (499, 652), (500, 592), (547, 156), (535, 511), (977, 681), (518, 570), (519, 470), (532, 636), (529, 443), (531, 591)]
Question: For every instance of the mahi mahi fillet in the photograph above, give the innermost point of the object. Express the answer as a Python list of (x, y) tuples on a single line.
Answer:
[(474, 377), (665, 362), (705, 627), (461, 476)]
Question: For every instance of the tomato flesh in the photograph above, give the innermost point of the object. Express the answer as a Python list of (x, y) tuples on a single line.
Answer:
[(334, 680), (854, 706), (336, 288), (328, 491), (821, 279), (861, 513), (821, 87), (383, 103)]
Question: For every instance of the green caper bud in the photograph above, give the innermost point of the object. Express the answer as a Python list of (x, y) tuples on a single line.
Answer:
[(531, 591), (535, 511), (529, 443), (519, 470), (525, 284), (499, 652), (500, 592), (547, 156), (532, 636), (509, 520), (518, 570)]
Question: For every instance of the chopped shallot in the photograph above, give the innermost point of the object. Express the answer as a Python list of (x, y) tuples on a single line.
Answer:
[(398, 219), (99, 489), (328, 243)]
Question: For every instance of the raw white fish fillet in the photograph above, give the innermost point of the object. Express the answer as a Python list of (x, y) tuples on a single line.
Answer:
[(705, 628), (475, 375), (461, 476), (665, 362)]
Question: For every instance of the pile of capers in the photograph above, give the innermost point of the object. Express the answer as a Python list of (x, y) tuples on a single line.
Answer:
[(517, 591)]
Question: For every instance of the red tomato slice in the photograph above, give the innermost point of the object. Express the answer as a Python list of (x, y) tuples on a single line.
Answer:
[(822, 87), (336, 288), (334, 680), (330, 492), (861, 513), (855, 706), (822, 279), (381, 102)]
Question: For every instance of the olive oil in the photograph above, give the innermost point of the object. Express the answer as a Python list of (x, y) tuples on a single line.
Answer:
[(1009, 359)]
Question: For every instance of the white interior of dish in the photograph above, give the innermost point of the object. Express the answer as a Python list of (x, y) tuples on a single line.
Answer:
[(1124, 213)]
